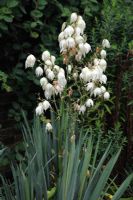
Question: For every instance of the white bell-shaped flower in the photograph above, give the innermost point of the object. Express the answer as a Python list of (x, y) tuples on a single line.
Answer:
[(43, 82), (63, 45), (45, 55), (39, 109), (56, 68), (87, 47), (79, 39), (90, 86), (39, 71), (46, 105), (30, 61), (77, 31), (61, 79), (103, 89), (73, 17), (106, 95), (53, 59), (103, 54), (49, 127), (70, 42), (61, 36), (103, 79), (97, 91), (81, 24), (89, 103), (105, 43), (103, 64), (51, 75), (49, 90), (48, 63), (68, 31)]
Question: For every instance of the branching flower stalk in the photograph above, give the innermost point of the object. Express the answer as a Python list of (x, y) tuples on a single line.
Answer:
[(82, 81)]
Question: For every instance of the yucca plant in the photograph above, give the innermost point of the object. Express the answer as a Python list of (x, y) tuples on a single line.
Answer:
[(68, 172)]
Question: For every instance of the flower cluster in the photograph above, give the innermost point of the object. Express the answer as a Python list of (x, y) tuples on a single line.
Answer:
[(72, 40), (89, 78)]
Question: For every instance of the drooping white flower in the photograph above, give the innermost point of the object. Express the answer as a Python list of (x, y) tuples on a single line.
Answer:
[(43, 82), (48, 63), (61, 79), (103, 79), (81, 24), (103, 54), (105, 43), (96, 74), (56, 68), (48, 70), (103, 64), (87, 47), (51, 75), (45, 55), (53, 59), (79, 39), (106, 95), (49, 89), (70, 42), (90, 86), (61, 36), (46, 105), (86, 74), (82, 109), (103, 89), (68, 31), (97, 91), (73, 17), (49, 127), (82, 49), (89, 103), (39, 71), (30, 61), (63, 45), (39, 109), (77, 31), (58, 89)]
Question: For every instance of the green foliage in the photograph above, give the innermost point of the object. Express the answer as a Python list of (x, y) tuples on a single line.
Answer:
[(3, 80), (68, 172)]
